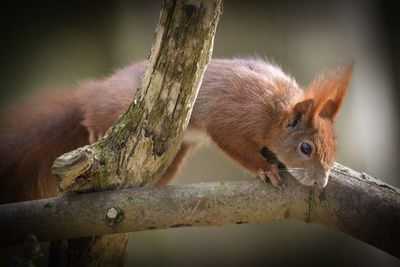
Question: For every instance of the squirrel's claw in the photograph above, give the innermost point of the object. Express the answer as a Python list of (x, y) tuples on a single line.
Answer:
[(273, 176), (261, 175)]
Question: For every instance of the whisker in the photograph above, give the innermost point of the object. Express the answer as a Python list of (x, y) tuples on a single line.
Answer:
[(294, 171), (289, 170), (302, 178)]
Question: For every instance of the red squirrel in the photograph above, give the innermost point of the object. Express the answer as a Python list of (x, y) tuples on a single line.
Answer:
[(250, 108)]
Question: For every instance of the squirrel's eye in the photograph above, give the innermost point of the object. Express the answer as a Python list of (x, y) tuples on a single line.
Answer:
[(306, 148)]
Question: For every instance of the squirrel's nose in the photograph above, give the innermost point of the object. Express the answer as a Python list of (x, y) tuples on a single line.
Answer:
[(322, 182)]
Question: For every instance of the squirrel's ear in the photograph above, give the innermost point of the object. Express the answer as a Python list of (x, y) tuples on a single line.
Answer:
[(330, 110), (304, 107), (328, 91), (300, 110), (339, 84)]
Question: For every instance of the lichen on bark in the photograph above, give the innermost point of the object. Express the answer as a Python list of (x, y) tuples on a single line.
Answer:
[(139, 147), (143, 142)]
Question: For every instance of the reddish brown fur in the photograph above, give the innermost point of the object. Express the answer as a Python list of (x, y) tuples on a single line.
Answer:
[(243, 105), (318, 107), (328, 91), (32, 136)]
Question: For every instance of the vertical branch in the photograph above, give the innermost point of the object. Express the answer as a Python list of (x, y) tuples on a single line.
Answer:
[(137, 150)]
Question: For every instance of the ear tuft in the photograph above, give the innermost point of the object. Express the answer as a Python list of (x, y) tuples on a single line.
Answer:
[(328, 91)]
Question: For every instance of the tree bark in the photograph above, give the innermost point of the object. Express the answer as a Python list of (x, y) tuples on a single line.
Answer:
[(353, 203), (140, 146)]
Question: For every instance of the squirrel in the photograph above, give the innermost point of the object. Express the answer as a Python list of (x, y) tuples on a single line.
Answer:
[(249, 107)]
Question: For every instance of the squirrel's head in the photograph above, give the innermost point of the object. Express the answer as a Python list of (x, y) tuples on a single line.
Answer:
[(307, 143)]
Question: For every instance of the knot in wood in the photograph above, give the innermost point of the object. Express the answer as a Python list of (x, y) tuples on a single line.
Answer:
[(113, 216)]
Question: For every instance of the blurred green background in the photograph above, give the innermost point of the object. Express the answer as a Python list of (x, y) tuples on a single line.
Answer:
[(49, 45)]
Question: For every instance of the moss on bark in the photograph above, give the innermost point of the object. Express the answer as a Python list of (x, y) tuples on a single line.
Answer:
[(137, 150)]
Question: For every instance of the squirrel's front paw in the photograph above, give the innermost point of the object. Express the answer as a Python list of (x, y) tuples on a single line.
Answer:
[(273, 176)]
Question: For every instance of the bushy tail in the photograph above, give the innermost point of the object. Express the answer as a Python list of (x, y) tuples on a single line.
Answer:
[(32, 135)]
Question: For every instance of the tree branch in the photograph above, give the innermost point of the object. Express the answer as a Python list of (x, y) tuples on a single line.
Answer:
[(354, 203), (139, 147)]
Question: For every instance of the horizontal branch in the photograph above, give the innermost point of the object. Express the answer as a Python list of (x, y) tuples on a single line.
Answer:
[(353, 203)]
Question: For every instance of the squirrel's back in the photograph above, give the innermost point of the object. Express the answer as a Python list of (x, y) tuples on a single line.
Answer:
[(237, 96)]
